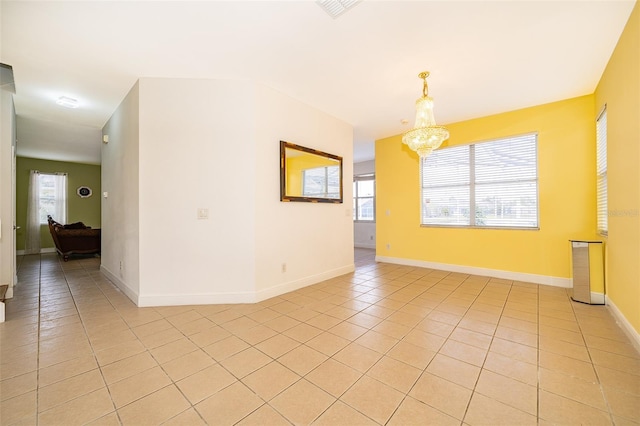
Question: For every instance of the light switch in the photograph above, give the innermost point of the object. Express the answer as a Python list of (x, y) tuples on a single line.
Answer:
[(203, 213), (105, 194)]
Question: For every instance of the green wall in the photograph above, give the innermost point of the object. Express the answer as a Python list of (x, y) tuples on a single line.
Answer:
[(85, 210)]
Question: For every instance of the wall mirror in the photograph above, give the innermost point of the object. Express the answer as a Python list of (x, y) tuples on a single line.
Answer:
[(309, 175)]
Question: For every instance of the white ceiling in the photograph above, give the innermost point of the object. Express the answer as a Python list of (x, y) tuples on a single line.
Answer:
[(485, 57)]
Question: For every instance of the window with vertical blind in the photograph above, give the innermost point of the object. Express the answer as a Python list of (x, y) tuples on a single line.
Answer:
[(601, 172), (491, 184)]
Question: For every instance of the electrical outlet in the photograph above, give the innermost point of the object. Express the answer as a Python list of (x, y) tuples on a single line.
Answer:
[(388, 246), (203, 213), (284, 267)]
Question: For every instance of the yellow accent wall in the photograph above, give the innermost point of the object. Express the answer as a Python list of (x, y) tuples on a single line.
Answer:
[(566, 179), (619, 89)]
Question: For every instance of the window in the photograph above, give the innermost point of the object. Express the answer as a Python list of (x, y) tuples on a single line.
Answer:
[(364, 200), (497, 181), (321, 182), (53, 197), (601, 171)]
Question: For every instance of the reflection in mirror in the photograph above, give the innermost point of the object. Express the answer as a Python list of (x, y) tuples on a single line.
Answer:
[(309, 175)]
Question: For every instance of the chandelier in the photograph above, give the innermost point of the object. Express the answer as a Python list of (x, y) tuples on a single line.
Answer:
[(425, 135)]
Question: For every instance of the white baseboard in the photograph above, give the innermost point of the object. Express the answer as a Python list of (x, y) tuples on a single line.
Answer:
[(496, 273), (624, 324), (597, 298), (1, 311), (279, 289), (238, 297), (363, 245), (42, 250), (131, 294)]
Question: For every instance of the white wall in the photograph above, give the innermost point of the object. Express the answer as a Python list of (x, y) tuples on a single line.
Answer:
[(196, 151), (208, 144), (120, 210), (314, 240), (7, 196), (364, 234)]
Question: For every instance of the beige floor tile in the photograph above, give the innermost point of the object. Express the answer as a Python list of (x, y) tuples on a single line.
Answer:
[(487, 411), (264, 315), (140, 385), (302, 359), (333, 377), (189, 417), (110, 419), (323, 322), (156, 408), (245, 362), (18, 385), (515, 350), (392, 329), (564, 348), (454, 370), (425, 340), (79, 411), (348, 330), (622, 404), (302, 403), (365, 320), (187, 365), (277, 345), (256, 334), (588, 393), (396, 374), (270, 380), (376, 341), (436, 327), (282, 323), (341, 414), (302, 332), (413, 412), (173, 350), (118, 352), (205, 383), (264, 416), (615, 361), (445, 396), (517, 336), (209, 336), (520, 395), (225, 348), (411, 354), (68, 389), (560, 410), (479, 340), (463, 352), (327, 343), (517, 370), (161, 338), (629, 383), (479, 326), (128, 367), (358, 357), (18, 408), (569, 366), (609, 345)]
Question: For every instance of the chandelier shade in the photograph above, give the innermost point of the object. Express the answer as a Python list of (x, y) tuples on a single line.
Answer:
[(425, 135)]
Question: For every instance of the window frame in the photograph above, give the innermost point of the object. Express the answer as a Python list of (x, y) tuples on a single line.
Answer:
[(361, 178), (65, 200), (602, 211), (472, 188)]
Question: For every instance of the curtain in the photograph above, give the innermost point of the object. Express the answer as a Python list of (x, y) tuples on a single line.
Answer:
[(32, 242), (60, 209)]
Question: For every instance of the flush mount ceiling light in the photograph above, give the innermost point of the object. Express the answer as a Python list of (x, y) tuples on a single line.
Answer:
[(67, 102), (336, 8), (425, 135)]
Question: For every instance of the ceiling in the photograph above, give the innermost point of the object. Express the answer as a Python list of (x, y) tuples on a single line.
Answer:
[(485, 57)]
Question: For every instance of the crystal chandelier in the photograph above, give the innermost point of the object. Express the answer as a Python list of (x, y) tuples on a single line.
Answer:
[(425, 135)]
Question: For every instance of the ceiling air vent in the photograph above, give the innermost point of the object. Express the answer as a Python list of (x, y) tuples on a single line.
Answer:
[(336, 8)]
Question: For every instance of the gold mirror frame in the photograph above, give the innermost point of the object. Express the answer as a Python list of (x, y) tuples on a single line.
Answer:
[(300, 175)]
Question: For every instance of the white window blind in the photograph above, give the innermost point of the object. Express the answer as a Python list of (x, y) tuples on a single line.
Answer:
[(321, 182), (52, 196), (497, 181), (601, 171)]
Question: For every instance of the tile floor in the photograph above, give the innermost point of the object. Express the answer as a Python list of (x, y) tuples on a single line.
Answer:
[(388, 344)]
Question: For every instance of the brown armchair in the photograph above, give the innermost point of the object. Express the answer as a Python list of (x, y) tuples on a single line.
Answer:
[(75, 238)]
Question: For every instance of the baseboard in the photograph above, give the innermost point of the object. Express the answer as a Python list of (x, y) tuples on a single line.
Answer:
[(496, 273), (624, 324), (598, 298), (279, 289), (131, 294), (366, 246), (1, 311), (241, 296), (42, 250)]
